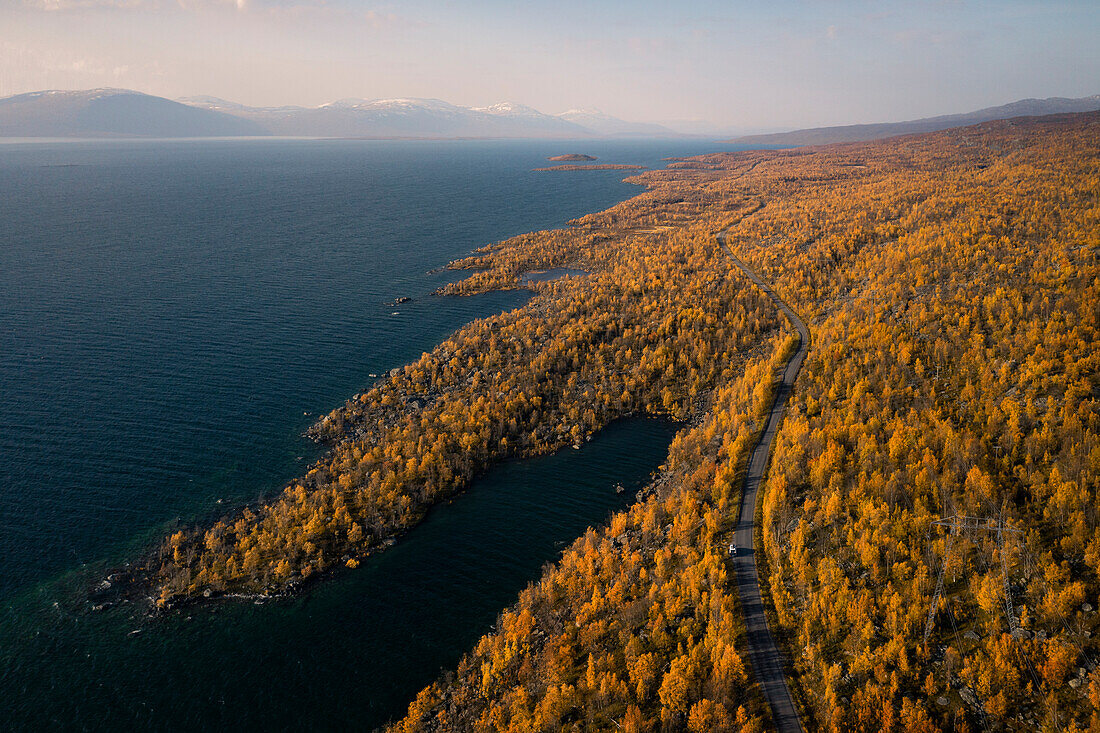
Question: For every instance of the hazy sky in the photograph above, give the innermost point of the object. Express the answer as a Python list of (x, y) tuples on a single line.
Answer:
[(735, 64)]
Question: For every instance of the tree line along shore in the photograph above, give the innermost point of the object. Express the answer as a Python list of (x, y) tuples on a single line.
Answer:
[(952, 287)]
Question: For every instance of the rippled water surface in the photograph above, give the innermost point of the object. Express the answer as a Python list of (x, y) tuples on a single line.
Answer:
[(172, 316)]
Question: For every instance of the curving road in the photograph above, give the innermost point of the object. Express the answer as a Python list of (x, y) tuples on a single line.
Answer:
[(767, 665)]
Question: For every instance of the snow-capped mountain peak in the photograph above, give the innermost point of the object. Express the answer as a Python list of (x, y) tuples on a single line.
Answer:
[(396, 105), (511, 109), (592, 112)]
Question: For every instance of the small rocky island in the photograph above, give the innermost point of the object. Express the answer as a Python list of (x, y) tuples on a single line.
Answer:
[(571, 158)]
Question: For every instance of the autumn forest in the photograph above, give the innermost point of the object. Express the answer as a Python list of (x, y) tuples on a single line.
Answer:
[(928, 532)]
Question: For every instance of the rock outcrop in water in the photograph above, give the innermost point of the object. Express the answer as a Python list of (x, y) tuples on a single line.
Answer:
[(571, 158)]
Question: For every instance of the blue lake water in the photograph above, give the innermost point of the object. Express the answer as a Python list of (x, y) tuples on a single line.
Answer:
[(173, 314)]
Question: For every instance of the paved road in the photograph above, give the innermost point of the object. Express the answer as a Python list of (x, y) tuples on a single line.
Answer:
[(767, 665)]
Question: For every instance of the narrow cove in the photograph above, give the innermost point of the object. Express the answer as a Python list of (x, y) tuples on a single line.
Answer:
[(355, 648)]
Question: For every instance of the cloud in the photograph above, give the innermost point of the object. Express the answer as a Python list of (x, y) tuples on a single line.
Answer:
[(301, 10), (59, 5), (242, 5), (45, 66), (305, 11)]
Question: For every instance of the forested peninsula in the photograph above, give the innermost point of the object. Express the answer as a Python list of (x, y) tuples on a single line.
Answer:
[(931, 535)]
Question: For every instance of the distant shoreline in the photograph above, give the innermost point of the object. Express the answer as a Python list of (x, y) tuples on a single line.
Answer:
[(16, 139), (597, 167)]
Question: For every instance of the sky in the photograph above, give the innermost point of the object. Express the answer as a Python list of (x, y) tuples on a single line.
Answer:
[(707, 65)]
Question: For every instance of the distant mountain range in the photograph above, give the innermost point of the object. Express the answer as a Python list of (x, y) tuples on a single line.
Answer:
[(125, 113), (853, 133)]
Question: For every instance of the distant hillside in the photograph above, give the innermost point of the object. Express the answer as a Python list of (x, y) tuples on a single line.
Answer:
[(607, 125), (853, 133), (113, 113)]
